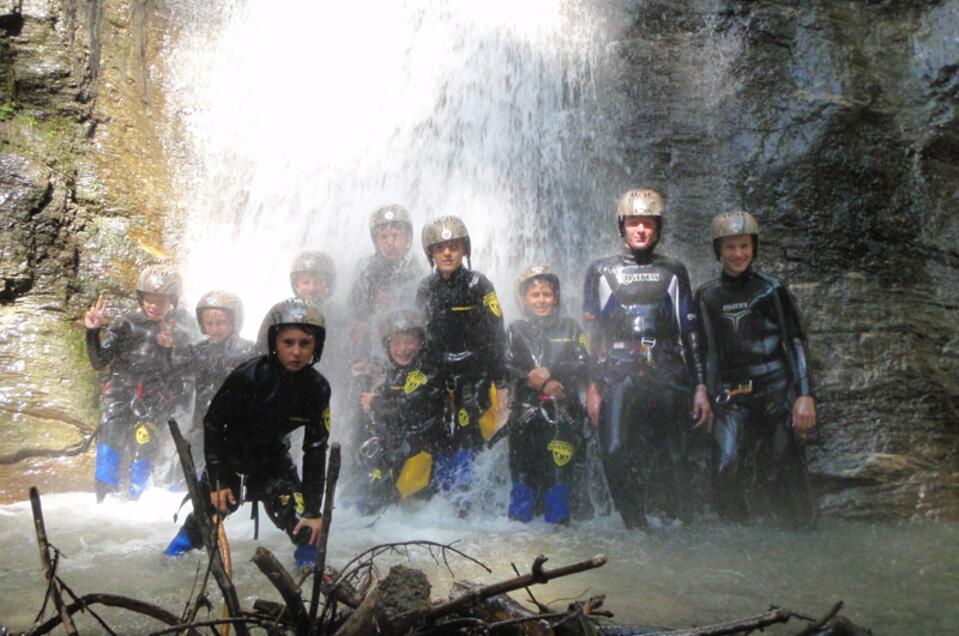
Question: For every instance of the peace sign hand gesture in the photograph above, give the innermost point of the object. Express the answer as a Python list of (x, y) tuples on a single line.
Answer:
[(96, 316)]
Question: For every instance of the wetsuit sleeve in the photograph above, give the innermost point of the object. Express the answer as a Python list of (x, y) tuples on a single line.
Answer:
[(688, 328), (591, 310), (494, 332), (225, 407), (102, 352), (794, 341), (314, 455), (574, 369), (519, 361), (707, 343), (359, 294)]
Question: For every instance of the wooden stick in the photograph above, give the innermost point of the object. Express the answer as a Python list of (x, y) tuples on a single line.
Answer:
[(814, 627), (537, 575), (224, 547), (49, 574), (112, 600), (207, 530), (284, 583), (332, 475), (735, 627)]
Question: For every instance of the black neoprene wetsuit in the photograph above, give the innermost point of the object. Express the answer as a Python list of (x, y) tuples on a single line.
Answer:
[(641, 326), (143, 388), (545, 434), (756, 366), (210, 363), (247, 430), (407, 419), (466, 343)]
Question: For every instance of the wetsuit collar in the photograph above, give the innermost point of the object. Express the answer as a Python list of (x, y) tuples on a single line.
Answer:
[(641, 257), (742, 279), (455, 276)]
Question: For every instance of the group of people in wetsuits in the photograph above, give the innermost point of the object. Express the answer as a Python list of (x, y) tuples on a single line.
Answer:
[(430, 369)]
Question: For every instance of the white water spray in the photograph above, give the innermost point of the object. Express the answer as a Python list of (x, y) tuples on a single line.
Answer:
[(298, 122)]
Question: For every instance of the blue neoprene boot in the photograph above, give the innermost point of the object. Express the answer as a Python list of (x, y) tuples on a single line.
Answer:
[(180, 545), (305, 556)]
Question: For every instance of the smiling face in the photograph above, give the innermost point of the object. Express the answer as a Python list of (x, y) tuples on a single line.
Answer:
[(403, 347), (640, 232), (217, 324), (294, 347), (392, 241), (736, 253), (448, 256), (540, 299), (155, 306), (311, 287)]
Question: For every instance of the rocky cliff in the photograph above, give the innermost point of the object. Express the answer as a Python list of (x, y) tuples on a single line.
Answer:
[(82, 183)]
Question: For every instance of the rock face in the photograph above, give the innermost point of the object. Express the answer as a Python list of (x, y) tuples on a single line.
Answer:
[(78, 162), (833, 122)]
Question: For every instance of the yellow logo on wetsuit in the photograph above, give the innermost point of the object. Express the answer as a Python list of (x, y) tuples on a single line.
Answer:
[(562, 451), (464, 417), (143, 434), (414, 380), (491, 301), (584, 343), (326, 418), (297, 501)]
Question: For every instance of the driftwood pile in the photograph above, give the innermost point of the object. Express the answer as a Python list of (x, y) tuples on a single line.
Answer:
[(355, 601)]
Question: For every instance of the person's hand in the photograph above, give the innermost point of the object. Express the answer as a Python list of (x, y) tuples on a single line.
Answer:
[(594, 401), (804, 415), (702, 411), (537, 377), (366, 399), (96, 316), (360, 368), (165, 337), (313, 523), (223, 500), (554, 389)]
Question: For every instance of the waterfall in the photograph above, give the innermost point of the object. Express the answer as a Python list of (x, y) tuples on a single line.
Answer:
[(297, 120)]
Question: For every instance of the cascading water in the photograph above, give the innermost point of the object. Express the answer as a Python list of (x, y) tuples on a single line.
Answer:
[(298, 123), (296, 120)]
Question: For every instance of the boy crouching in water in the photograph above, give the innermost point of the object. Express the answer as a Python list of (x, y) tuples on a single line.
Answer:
[(247, 430)]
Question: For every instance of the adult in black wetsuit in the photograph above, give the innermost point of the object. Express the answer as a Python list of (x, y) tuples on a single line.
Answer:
[(465, 342), (219, 315), (757, 371), (144, 385), (247, 430), (548, 358), (406, 427), (640, 323)]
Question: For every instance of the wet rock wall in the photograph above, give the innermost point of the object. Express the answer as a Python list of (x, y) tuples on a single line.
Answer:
[(835, 124), (81, 175)]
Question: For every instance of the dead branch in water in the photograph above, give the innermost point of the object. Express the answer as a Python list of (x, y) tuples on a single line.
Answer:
[(536, 575), (208, 530), (53, 584), (112, 600), (332, 475)]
